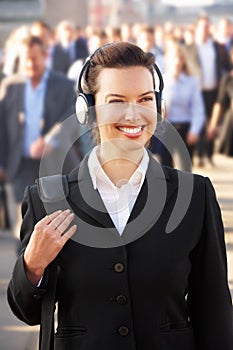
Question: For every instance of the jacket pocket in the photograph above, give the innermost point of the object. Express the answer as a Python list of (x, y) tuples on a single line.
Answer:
[(70, 338), (177, 337)]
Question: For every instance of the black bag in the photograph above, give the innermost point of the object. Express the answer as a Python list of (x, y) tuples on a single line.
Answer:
[(4, 213)]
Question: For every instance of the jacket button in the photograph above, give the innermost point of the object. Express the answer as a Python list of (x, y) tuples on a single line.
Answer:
[(121, 299), (118, 267), (36, 296), (123, 331)]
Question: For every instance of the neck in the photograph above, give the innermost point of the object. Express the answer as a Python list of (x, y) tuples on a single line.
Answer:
[(35, 82), (119, 165), (176, 74)]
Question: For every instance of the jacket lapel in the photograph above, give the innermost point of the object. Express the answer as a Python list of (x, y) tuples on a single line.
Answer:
[(96, 228), (155, 194)]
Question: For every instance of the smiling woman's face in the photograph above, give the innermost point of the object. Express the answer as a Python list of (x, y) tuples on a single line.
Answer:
[(128, 104)]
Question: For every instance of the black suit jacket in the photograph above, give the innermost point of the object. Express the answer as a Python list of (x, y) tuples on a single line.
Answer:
[(60, 59), (81, 49), (160, 291)]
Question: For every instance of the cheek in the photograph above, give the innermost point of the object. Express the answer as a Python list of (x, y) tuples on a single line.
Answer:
[(107, 131), (110, 113)]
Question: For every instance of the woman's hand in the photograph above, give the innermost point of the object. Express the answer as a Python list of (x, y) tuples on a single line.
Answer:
[(47, 240)]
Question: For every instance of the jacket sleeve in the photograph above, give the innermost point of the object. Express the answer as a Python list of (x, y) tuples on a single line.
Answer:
[(209, 297), (24, 298)]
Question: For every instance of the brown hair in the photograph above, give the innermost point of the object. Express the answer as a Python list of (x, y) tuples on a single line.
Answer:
[(120, 54), (32, 40)]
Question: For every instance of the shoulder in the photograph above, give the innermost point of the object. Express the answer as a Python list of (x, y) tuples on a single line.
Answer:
[(60, 78), (32, 205), (14, 79), (175, 176), (12, 88)]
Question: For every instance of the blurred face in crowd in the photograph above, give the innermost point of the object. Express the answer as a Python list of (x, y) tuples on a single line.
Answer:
[(64, 33), (146, 41), (189, 37), (41, 33), (130, 113), (33, 62), (175, 61), (203, 30)]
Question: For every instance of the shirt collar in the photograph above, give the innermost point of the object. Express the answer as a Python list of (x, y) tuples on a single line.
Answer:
[(43, 80), (97, 172)]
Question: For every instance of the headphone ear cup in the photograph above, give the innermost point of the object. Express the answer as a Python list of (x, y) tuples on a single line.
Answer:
[(84, 113)]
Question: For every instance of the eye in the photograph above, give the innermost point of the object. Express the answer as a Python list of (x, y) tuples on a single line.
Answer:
[(116, 101), (147, 99)]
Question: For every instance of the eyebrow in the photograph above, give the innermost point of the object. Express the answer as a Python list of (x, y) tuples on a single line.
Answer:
[(122, 96)]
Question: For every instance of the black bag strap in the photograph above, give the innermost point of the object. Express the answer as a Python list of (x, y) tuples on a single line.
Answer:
[(53, 191), (46, 338)]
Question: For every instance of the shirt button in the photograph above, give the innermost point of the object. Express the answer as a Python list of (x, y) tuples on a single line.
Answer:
[(121, 299), (118, 267), (123, 331)]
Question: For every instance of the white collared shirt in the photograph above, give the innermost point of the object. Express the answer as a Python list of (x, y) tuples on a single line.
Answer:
[(119, 201)]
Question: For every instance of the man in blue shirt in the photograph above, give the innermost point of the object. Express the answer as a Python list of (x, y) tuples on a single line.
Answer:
[(31, 103)]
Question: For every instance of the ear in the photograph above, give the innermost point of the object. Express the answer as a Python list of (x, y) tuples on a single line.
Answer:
[(83, 103)]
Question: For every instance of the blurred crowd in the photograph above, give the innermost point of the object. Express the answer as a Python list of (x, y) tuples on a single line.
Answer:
[(40, 66)]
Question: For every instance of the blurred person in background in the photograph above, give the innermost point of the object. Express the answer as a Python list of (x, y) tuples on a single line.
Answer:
[(11, 50), (178, 33), (146, 41), (57, 58), (127, 32), (184, 104), (224, 33), (222, 115), (97, 38), (113, 33), (64, 40), (213, 61), (191, 52), (31, 104), (80, 45), (159, 38)]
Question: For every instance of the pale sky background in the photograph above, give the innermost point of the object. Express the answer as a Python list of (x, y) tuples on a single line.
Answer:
[(189, 2)]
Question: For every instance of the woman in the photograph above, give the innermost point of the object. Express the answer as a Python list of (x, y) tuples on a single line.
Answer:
[(122, 285), (223, 108), (184, 104)]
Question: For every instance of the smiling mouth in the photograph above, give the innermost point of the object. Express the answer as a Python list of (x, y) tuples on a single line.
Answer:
[(132, 131)]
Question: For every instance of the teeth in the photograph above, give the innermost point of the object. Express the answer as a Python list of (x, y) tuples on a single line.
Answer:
[(130, 130)]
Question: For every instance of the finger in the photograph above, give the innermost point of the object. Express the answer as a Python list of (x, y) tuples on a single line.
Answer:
[(67, 235), (59, 219), (48, 218), (65, 224)]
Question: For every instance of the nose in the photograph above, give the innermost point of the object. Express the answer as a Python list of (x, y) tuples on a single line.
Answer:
[(132, 113)]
